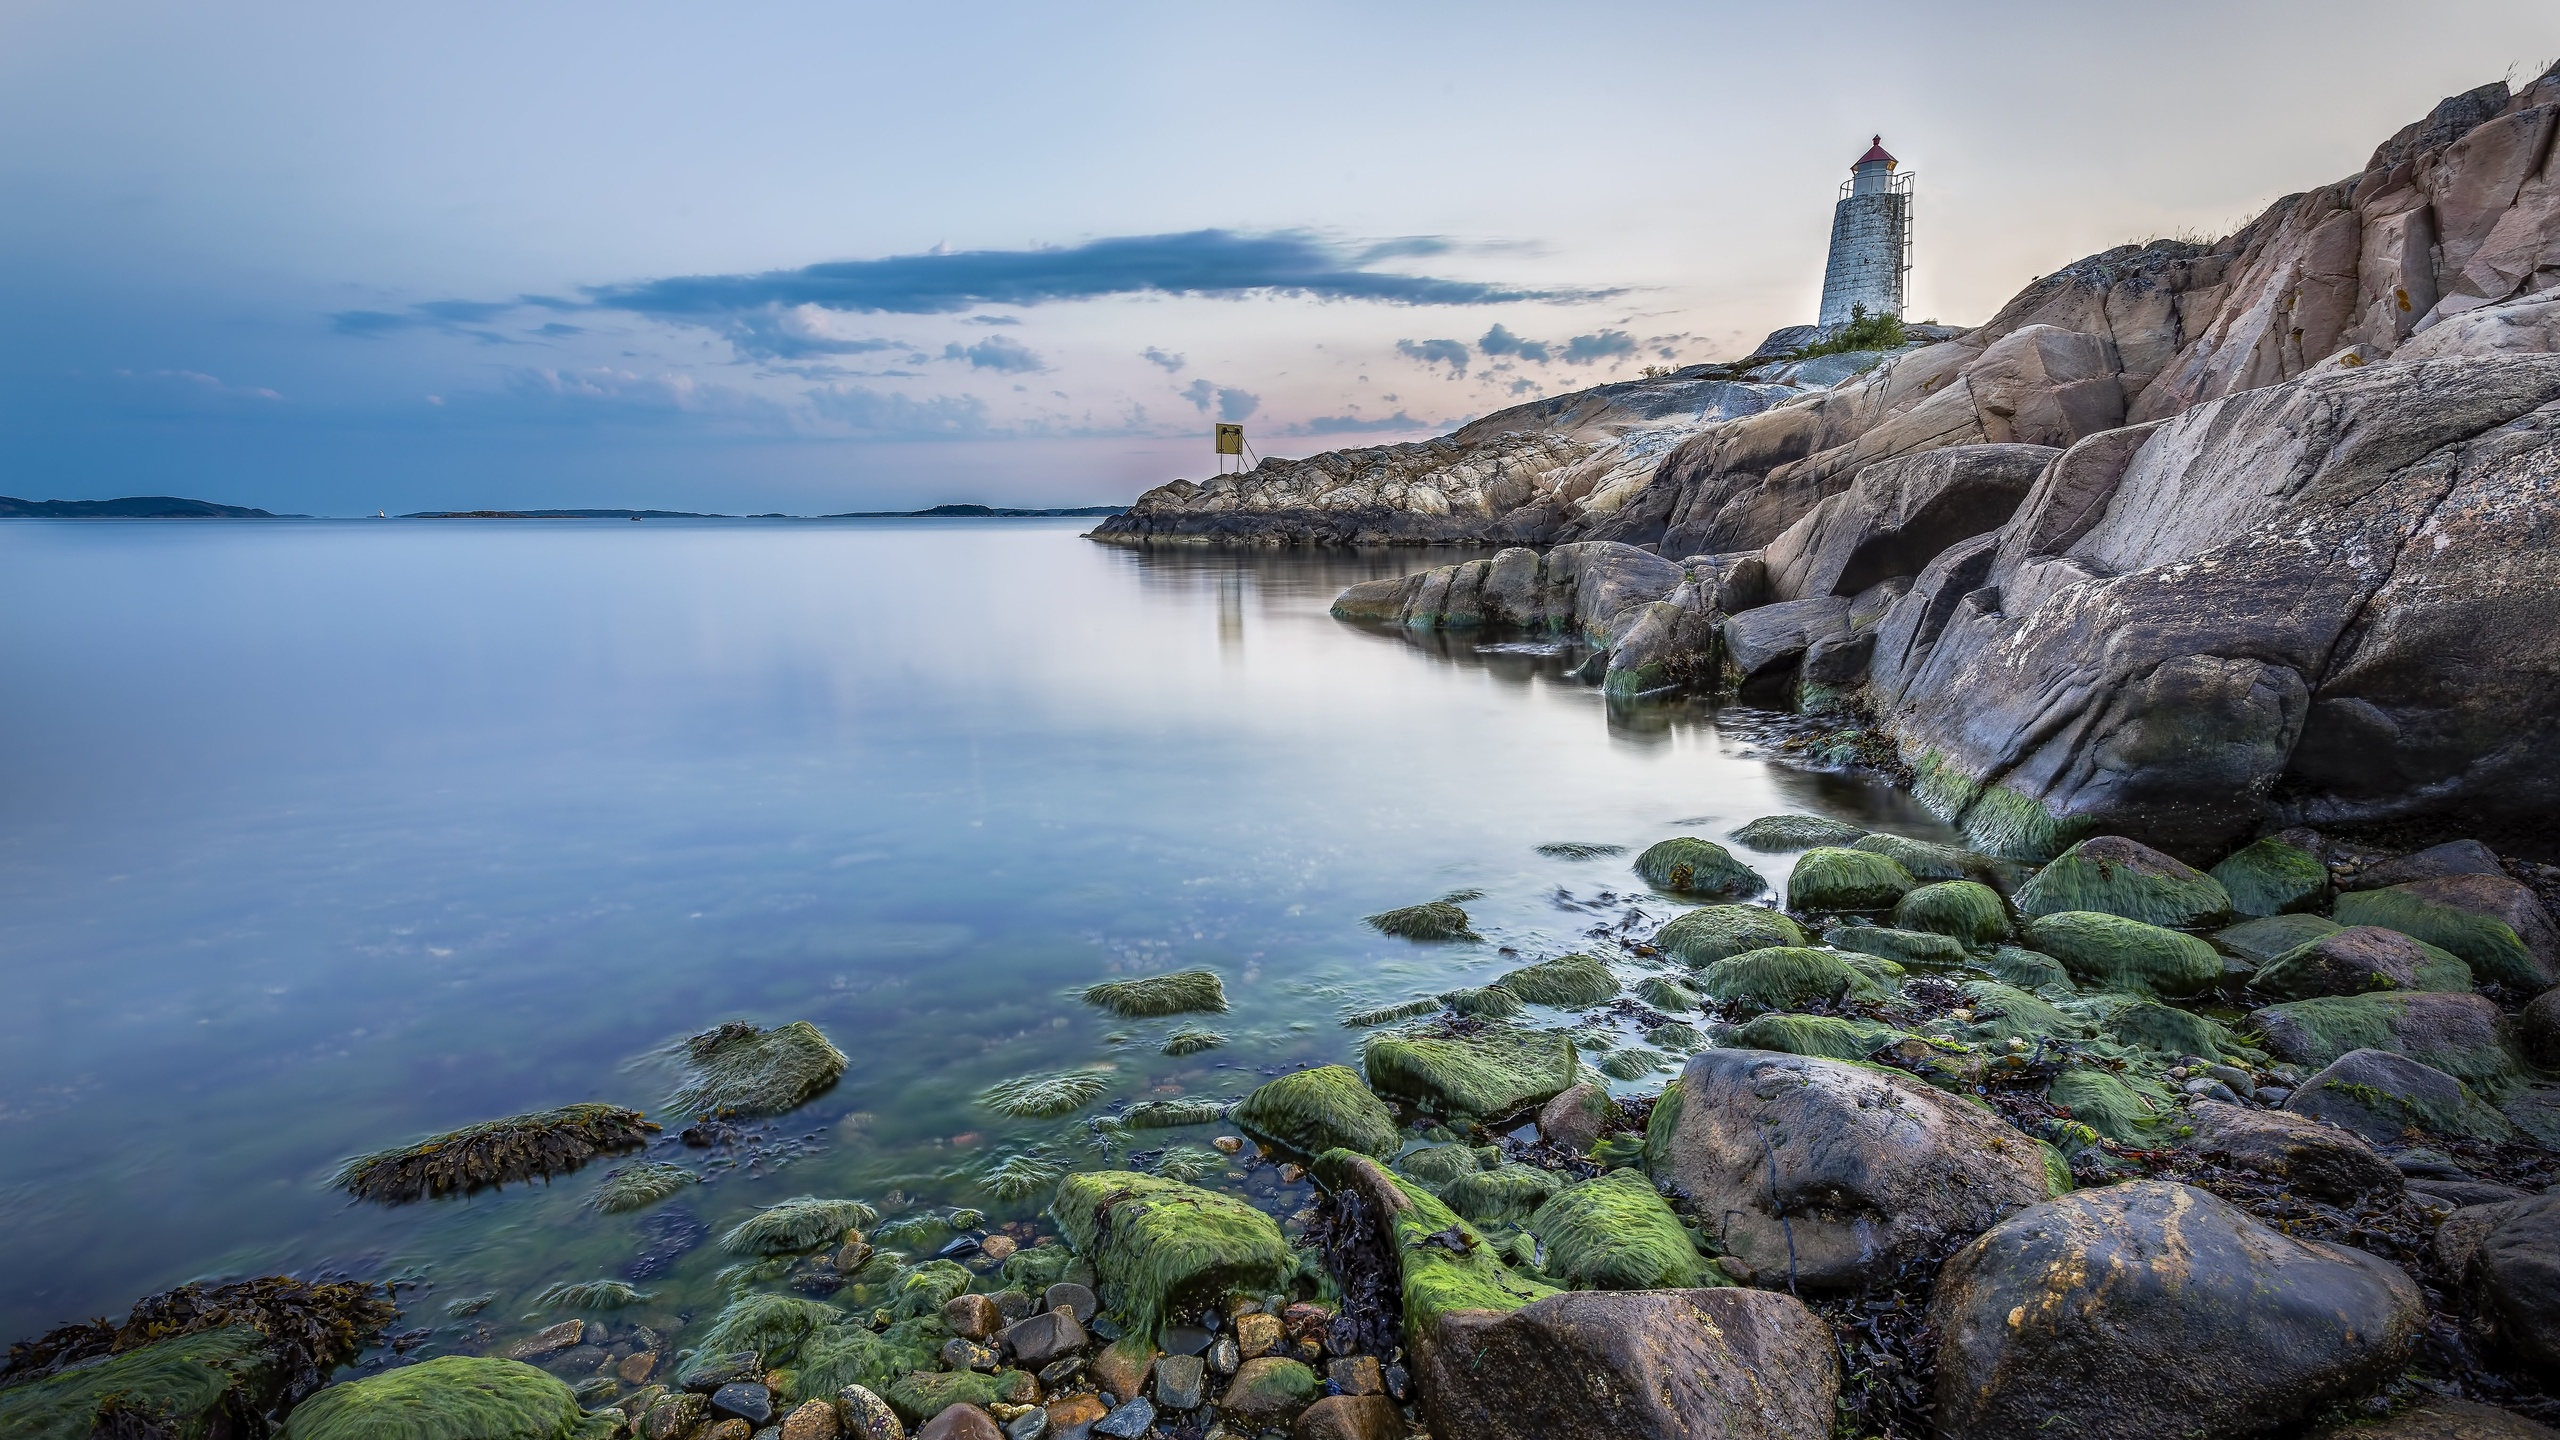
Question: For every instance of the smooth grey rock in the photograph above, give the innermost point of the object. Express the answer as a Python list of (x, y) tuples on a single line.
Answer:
[(743, 1400), (1077, 1298), (1129, 1421), (1182, 1381), (2454, 857), (2388, 1099), (1898, 515), (2322, 1161)]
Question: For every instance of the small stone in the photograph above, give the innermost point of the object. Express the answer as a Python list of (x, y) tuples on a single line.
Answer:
[(1305, 1318), (852, 1255), (998, 1247), (972, 1317), (2235, 1077), (1309, 1351), (1059, 1372), (709, 1372), (1357, 1375), (637, 1367), (1122, 1366), (1067, 1412), (1014, 1305), (1399, 1384), (1039, 1339), (746, 1400), (1292, 1172), (1106, 1327), (861, 1415), (1223, 1355), (959, 1354), (549, 1342), (1185, 1339), (1228, 1144), (595, 1390), (674, 1415), (1257, 1335), (1075, 1297), (1182, 1382), (1029, 1426), (1350, 1417), (810, 1420), (961, 1422), (1269, 1390), (1128, 1422), (732, 1428)]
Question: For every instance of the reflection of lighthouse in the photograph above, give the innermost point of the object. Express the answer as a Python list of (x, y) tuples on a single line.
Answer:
[(1870, 240)]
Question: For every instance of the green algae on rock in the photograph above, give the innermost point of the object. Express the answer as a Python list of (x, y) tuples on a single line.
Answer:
[(1568, 982), (803, 1222), (855, 1354), (738, 1069), (1480, 1076), (2489, 945), (1924, 861), (1437, 1165), (1615, 1233), (1687, 865), (2117, 953), (2359, 959), (1389, 1014), (1504, 1195), (589, 1295), (1967, 911), (1831, 878), (636, 1187), (1047, 1096), (1444, 1264), (1830, 1036), (1018, 1174), (495, 1152), (2124, 1108), (2161, 1029), (307, 1329), (1313, 1111), (1579, 850), (1173, 1113), (1189, 1164), (771, 1325), (2006, 1012), (920, 1395), (1627, 1064), (2261, 940), (1432, 920), (2027, 969), (2462, 1035), (1663, 993), (1191, 1042), (1712, 932), (1903, 947), (1162, 1247), (2112, 875), (188, 1385), (452, 1397), (1781, 833), (1484, 1002), (1183, 992), (2271, 877), (1787, 978)]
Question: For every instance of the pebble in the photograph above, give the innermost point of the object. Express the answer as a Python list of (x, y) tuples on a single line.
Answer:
[(636, 1368), (1060, 1372), (745, 1400), (1223, 1356), (595, 1389), (1122, 1367), (1014, 1305), (1182, 1382), (2272, 1095), (1075, 1297), (1185, 1339), (812, 1420), (709, 1372), (1257, 1335), (559, 1337), (1068, 1412), (1228, 1144), (959, 1354), (1342, 1335), (1357, 1375), (1039, 1339), (1028, 1427), (732, 1428), (998, 1247), (852, 1255), (1399, 1384), (972, 1317), (1291, 1174), (862, 1415), (1128, 1422), (961, 1422)]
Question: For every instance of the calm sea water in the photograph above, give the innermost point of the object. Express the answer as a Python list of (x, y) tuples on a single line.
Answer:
[(319, 837)]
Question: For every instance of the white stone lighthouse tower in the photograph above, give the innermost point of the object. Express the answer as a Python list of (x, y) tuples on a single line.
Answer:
[(1870, 239)]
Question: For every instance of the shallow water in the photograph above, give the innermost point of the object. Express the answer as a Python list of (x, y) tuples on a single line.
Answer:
[(321, 836)]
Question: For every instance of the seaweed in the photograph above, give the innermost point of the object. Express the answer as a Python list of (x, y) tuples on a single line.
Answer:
[(1914, 947), (1388, 1014), (494, 1152), (803, 1222), (1484, 1002), (1924, 861), (452, 1397), (637, 1187), (738, 1069), (1189, 1163), (311, 1329), (770, 1325), (1577, 850), (1021, 1173), (1437, 1165), (1182, 992), (2125, 1109), (1192, 1042), (1433, 920), (1504, 1195), (1615, 1233), (1047, 1096), (832, 1359), (1317, 1110), (2111, 875), (1966, 910), (1663, 993), (1483, 1076), (1567, 982), (1787, 978), (589, 1295), (1829, 877), (1168, 1114), (1629, 1064), (1161, 1246), (1796, 832), (2118, 953), (2271, 877), (1828, 1036), (1713, 932)]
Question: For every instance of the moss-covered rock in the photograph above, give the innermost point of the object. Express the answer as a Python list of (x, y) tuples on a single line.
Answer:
[(2112, 875), (2005, 1012), (1483, 1002), (1160, 1246), (855, 1354), (1615, 1233), (1437, 1165), (1710, 933), (738, 1069), (1966, 911), (1268, 1390), (1782, 833), (2261, 940), (1503, 1195), (1318, 1110), (1829, 878), (2384, 1097), (2116, 953), (452, 1397), (1832, 1037), (1183, 992), (803, 1222), (1690, 866), (1927, 862), (2459, 1034), (920, 1395), (2359, 959), (2161, 1029), (191, 1385), (1631, 1063), (2123, 1107), (2271, 877), (1569, 982), (2489, 945), (770, 1325), (1433, 920), (1663, 993), (2027, 969), (495, 1152), (1787, 978), (1482, 1076), (1903, 947), (1444, 1265)]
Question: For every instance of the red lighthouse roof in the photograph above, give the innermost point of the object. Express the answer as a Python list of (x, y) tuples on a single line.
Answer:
[(1874, 153)]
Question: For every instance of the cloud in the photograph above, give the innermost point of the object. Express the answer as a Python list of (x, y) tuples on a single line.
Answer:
[(196, 385), (1354, 425), (995, 320), (1436, 352), (1500, 341), (1172, 364), (892, 416), (1000, 353), (1607, 345), (1233, 405)]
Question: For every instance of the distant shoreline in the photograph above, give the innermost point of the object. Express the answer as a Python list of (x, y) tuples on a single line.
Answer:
[(171, 507)]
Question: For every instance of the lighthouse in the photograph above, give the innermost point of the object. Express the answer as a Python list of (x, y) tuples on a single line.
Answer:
[(1870, 239)]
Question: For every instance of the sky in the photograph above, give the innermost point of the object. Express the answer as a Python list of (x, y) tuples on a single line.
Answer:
[(818, 257)]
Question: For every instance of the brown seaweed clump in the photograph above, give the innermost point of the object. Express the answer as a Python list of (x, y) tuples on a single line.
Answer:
[(311, 1329), (495, 1152)]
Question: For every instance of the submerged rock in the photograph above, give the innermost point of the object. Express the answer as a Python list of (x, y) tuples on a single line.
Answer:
[(495, 1152), (1483, 1076), (1690, 866), (1183, 992), (1836, 1174), (1833, 878), (1162, 1247), (1317, 1110), (2272, 877), (2362, 958), (2386, 1097), (801, 1223), (1431, 920), (2149, 1308), (1787, 978), (2116, 953), (738, 1069), (1781, 833), (1710, 933), (2116, 876), (452, 1397)]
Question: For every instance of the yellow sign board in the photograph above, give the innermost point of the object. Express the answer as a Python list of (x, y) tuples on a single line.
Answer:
[(1230, 439)]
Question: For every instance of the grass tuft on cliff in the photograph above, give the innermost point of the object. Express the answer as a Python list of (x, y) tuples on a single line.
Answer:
[(494, 1152)]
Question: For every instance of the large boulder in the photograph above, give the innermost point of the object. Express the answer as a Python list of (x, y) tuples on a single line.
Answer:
[(1898, 515), (1485, 1075), (2322, 1161), (1317, 1110), (2272, 876), (2391, 1100), (2460, 1034), (2495, 924), (1720, 1364), (2510, 1276), (1160, 1246), (2116, 876), (452, 1397), (2150, 1308), (2434, 1417), (2362, 958), (1836, 1175)]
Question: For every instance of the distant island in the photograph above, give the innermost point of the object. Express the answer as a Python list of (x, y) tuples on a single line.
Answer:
[(132, 507), (938, 512)]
